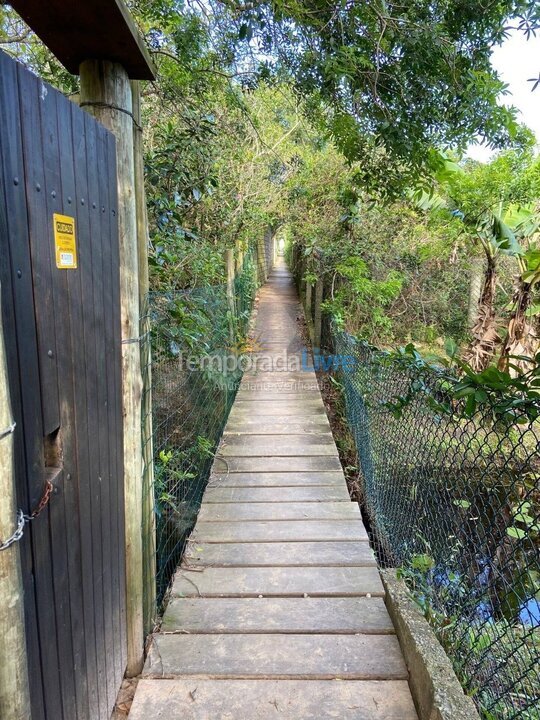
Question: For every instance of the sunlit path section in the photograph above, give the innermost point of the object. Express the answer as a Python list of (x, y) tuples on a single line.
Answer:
[(278, 609)]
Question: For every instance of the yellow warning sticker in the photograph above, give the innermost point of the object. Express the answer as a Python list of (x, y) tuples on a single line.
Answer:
[(64, 241)]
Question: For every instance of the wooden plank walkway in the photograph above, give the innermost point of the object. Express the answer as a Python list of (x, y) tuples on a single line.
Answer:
[(278, 609)]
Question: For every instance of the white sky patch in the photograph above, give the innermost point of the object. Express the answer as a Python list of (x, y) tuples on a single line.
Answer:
[(516, 60)]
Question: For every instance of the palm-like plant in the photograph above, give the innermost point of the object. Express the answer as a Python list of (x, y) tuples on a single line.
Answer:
[(495, 238), (522, 340)]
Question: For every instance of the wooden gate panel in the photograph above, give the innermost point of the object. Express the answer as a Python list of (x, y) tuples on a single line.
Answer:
[(43, 193), (73, 553), (30, 102)]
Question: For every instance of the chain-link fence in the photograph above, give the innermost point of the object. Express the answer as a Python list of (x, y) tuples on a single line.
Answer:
[(453, 499), (189, 386)]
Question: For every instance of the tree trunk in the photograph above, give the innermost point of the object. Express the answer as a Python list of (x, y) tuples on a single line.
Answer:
[(521, 338), (475, 290), (485, 337)]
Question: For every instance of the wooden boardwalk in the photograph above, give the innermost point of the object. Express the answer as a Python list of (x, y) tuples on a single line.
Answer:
[(277, 611)]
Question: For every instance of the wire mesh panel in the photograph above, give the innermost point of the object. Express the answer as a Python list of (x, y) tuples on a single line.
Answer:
[(195, 342), (454, 501)]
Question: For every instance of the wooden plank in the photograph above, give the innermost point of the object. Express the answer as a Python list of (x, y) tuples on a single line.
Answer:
[(277, 479), (279, 554), (270, 699), (59, 196), (239, 512), (354, 657), (278, 425), (319, 463), (300, 407), (93, 370), (280, 531), (338, 493), (42, 533), (270, 446), (278, 582), (42, 261), (278, 615), (299, 440), (266, 396), (82, 324), (282, 376), (101, 261), (18, 312)]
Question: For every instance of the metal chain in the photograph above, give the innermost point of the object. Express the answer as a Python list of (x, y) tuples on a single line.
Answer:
[(42, 503), (22, 519), (8, 431), (17, 535)]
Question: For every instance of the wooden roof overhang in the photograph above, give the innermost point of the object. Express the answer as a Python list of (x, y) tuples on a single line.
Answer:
[(78, 30)]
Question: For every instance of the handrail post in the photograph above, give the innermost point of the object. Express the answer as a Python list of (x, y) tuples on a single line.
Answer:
[(317, 315), (229, 264), (148, 518)]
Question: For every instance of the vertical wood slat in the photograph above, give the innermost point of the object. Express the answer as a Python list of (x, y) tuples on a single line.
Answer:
[(83, 327), (93, 375), (105, 348), (72, 554), (63, 511), (43, 534), (18, 313)]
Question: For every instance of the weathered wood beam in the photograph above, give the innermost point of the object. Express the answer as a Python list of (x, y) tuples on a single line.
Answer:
[(106, 94), (14, 693), (148, 519)]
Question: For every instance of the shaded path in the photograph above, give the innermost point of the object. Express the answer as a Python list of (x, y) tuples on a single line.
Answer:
[(277, 610)]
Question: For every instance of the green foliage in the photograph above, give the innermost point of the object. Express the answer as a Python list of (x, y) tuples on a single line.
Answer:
[(387, 80), (363, 297)]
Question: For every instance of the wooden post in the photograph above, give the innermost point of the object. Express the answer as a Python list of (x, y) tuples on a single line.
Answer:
[(229, 264), (307, 300), (317, 315), (106, 93), (239, 260), (14, 693), (256, 264), (148, 519)]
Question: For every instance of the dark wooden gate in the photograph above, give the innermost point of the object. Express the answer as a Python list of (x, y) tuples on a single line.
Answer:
[(63, 345)]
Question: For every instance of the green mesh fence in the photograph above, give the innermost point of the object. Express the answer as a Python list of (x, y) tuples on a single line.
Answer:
[(454, 501), (189, 387)]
